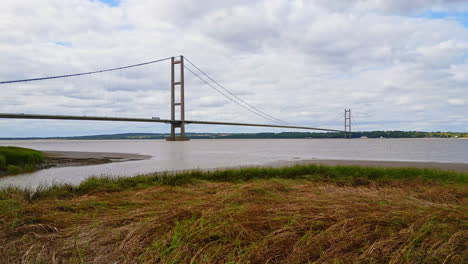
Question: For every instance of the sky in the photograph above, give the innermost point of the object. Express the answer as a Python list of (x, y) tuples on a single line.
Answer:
[(397, 64)]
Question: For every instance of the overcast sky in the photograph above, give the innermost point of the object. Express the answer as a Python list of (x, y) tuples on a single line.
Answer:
[(398, 64)]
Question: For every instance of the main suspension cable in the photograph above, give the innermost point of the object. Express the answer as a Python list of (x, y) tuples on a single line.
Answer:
[(209, 84), (85, 73), (238, 98)]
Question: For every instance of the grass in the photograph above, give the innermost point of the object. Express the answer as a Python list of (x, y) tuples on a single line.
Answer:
[(15, 160), (300, 214), (345, 175)]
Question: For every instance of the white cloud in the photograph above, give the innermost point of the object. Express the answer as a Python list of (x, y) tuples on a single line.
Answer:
[(303, 61), (456, 101), (395, 6), (459, 72)]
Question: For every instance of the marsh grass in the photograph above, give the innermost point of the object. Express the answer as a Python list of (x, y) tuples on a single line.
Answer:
[(345, 175), (2, 162), (299, 214), (16, 160)]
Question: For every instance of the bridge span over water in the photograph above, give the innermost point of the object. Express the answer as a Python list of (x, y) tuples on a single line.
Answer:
[(177, 91)]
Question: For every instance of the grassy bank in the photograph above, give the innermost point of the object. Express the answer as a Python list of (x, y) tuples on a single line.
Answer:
[(15, 160), (297, 214), (333, 174)]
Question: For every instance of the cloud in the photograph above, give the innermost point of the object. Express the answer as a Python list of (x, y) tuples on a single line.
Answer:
[(456, 101), (395, 6), (301, 61)]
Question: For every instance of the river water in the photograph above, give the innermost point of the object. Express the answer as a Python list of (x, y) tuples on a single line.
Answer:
[(217, 153)]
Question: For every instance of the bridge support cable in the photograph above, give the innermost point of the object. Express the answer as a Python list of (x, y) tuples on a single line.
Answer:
[(337, 118), (228, 97), (272, 118), (357, 125), (86, 73)]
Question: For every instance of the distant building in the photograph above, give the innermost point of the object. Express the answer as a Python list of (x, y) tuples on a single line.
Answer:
[(364, 137)]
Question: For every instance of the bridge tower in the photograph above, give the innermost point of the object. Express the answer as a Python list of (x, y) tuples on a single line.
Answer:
[(347, 123), (181, 103)]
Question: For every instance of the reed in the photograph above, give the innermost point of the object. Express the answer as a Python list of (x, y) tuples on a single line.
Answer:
[(343, 175)]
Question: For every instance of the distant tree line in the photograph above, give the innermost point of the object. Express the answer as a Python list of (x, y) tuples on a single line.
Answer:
[(368, 134)]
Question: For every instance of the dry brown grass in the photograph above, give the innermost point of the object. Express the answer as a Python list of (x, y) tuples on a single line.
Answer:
[(260, 221)]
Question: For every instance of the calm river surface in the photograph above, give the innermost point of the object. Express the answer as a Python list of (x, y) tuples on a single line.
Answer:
[(206, 154)]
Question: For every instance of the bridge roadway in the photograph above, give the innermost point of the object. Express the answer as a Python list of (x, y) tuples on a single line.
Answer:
[(167, 121)]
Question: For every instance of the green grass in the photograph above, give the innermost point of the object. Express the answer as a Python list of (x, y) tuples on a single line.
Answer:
[(341, 175), (13, 169), (299, 214), (16, 160)]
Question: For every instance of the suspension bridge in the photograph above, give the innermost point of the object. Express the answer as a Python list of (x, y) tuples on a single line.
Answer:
[(177, 90)]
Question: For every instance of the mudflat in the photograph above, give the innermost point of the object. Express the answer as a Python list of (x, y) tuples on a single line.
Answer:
[(79, 158)]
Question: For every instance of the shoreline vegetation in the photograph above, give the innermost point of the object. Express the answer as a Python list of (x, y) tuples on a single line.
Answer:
[(50, 159), (282, 135), (16, 160), (298, 214), (456, 167)]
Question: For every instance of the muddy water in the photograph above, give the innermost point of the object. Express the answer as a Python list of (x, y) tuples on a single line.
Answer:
[(206, 154)]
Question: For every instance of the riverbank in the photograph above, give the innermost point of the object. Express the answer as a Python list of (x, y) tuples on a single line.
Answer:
[(278, 215), (458, 167), (209, 154), (15, 160), (77, 158), (58, 159)]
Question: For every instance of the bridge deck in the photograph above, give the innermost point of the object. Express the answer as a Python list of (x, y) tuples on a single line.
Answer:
[(167, 121)]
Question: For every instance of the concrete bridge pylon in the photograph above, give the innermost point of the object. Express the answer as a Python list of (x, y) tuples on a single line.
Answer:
[(177, 83)]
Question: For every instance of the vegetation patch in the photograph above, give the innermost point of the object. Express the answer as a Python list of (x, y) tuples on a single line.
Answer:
[(15, 160), (340, 175), (300, 214)]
